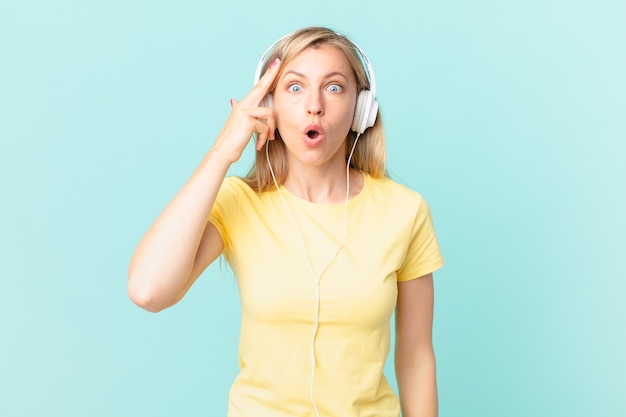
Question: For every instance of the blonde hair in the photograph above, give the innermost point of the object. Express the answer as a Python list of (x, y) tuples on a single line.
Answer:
[(370, 152)]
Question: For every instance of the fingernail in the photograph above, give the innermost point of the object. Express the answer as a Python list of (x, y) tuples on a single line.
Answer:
[(273, 64), (231, 102)]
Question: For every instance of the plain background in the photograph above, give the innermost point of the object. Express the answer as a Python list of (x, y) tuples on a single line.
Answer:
[(508, 116)]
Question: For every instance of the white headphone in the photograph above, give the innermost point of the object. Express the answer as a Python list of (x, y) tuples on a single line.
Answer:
[(366, 105)]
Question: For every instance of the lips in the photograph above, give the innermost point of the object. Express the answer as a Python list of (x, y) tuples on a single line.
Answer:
[(313, 135)]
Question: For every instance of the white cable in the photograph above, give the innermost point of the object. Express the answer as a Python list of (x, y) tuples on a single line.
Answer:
[(316, 277)]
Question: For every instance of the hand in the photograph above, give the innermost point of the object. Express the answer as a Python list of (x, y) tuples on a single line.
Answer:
[(247, 118)]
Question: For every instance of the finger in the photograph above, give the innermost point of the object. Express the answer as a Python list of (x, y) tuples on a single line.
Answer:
[(260, 113), (261, 139), (233, 102), (260, 89), (270, 122), (259, 133)]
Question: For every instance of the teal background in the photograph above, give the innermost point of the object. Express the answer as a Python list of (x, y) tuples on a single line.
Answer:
[(508, 116)]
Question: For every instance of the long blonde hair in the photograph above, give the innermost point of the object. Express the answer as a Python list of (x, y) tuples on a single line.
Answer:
[(370, 152)]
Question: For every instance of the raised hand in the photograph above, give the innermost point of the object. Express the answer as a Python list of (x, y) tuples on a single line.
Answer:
[(247, 118)]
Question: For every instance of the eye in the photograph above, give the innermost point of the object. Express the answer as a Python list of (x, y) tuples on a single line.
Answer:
[(295, 88), (335, 88)]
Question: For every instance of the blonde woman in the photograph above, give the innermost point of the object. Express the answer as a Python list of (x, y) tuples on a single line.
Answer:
[(325, 246)]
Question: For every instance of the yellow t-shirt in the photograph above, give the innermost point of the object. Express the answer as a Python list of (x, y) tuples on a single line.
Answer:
[(390, 238)]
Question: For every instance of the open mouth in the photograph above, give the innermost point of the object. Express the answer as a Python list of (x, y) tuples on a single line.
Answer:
[(313, 134)]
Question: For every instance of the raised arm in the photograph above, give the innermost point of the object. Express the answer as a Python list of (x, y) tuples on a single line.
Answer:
[(414, 355), (181, 242)]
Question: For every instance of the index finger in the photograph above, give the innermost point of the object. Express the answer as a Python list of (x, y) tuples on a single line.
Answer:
[(262, 87)]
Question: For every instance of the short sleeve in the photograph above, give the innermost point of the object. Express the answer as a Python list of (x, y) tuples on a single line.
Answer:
[(423, 254), (225, 209)]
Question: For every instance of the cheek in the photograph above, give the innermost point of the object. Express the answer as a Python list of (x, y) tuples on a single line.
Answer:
[(349, 107), (283, 120), (348, 114), (279, 115), (283, 111)]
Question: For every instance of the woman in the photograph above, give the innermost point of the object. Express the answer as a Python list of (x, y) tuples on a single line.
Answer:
[(324, 245)]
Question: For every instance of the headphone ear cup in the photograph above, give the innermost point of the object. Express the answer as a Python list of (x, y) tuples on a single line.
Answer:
[(267, 101), (364, 112), (373, 112), (359, 110)]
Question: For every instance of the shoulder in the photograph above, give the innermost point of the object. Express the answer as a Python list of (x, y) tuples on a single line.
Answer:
[(237, 196), (236, 184), (398, 202), (235, 187), (395, 192), (231, 194)]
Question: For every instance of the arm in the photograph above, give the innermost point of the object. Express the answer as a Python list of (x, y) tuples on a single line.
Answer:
[(181, 243), (414, 354)]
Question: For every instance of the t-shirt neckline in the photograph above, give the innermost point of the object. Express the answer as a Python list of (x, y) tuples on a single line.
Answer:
[(351, 202)]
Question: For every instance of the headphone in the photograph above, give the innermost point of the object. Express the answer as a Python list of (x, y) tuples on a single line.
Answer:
[(366, 105)]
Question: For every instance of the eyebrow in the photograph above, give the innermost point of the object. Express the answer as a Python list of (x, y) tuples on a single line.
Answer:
[(329, 75)]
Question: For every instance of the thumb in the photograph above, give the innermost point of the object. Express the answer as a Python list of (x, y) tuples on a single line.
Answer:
[(233, 102)]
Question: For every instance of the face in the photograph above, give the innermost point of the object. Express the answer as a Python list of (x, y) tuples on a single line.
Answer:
[(314, 103)]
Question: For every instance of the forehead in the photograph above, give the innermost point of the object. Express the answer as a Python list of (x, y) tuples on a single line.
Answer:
[(320, 60)]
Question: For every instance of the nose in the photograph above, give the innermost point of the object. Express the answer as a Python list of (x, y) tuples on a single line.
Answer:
[(314, 104)]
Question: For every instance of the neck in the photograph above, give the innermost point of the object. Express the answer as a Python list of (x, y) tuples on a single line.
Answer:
[(323, 185)]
